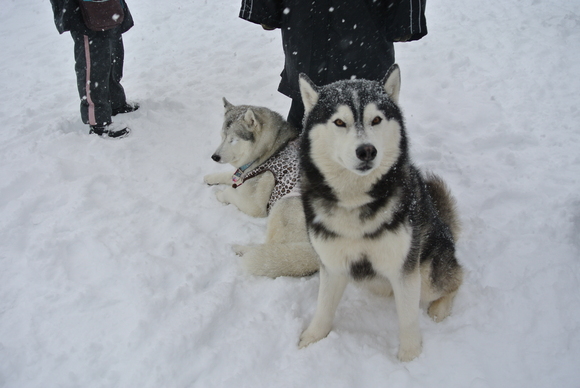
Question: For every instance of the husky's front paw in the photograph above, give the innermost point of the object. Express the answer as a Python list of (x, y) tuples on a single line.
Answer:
[(409, 352), (311, 336), (212, 179), (221, 196)]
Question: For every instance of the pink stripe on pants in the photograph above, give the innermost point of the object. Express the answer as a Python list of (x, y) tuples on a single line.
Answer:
[(92, 119)]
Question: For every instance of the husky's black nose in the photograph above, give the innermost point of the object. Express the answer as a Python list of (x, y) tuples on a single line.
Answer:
[(216, 158), (366, 152)]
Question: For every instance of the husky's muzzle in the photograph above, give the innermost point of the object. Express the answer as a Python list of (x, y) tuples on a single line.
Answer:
[(366, 153)]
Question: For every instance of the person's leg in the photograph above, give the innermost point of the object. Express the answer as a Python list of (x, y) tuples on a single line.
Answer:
[(117, 93), (93, 68), (119, 102), (296, 114)]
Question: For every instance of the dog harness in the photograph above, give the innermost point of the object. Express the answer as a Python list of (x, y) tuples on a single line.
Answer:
[(284, 164)]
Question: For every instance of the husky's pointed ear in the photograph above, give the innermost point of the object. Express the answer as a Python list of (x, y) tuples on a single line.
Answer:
[(227, 104), (392, 83), (308, 91), (251, 119)]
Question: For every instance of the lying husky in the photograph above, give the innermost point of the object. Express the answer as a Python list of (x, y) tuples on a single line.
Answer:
[(263, 147), (251, 137), (371, 216)]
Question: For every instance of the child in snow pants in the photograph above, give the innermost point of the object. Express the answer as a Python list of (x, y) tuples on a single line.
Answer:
[(99, 57)]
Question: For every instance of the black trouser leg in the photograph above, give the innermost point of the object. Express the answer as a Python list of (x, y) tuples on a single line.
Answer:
[(98, 61), (116, 91), (296, 114)]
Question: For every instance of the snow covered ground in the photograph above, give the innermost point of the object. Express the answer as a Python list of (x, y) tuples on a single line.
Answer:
[(115, 261)]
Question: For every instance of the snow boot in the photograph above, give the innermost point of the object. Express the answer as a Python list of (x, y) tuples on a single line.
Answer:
[(111, 130)]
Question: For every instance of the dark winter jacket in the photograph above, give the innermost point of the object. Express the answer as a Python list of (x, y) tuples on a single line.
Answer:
[(68, 17), (330, 40)]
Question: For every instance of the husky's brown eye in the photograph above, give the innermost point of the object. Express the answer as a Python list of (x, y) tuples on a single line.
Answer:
[(339, 123), (376, 121)]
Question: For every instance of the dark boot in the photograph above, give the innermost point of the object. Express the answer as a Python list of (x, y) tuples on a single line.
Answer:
[(111, 131)]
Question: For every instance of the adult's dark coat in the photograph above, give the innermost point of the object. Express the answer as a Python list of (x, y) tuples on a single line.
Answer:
[(330, 40), (68, 17)]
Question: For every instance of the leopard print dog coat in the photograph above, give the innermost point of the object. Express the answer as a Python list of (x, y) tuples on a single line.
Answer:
[(284, 164)]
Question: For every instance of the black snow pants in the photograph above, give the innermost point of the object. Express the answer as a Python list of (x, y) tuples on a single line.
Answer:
[(99, 69)]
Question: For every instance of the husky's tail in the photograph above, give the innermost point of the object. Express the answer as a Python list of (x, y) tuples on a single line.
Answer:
[(279, 259), (444, 203)]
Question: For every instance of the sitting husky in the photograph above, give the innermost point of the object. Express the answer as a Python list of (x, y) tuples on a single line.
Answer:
[(263, 147), (371, 215)]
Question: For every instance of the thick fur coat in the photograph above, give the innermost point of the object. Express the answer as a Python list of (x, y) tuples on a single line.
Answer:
[(371, 215)]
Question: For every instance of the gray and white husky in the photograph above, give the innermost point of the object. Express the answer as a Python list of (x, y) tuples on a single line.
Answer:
[(263, 148), (371, 215), (251, 135)]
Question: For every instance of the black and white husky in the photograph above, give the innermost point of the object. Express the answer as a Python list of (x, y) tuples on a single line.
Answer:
[(371, 215)]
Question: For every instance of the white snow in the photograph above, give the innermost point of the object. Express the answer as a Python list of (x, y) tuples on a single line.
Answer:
[(116, 267)]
